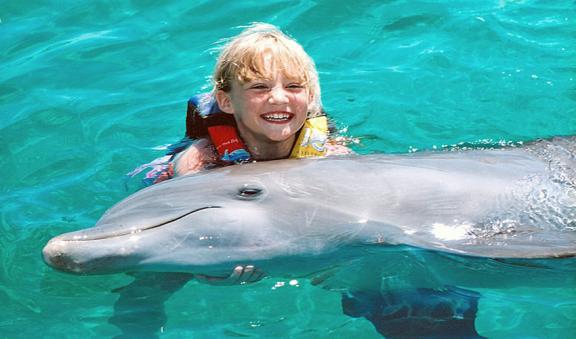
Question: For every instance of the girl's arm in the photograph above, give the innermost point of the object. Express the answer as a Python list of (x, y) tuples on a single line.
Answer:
[(333, 148), (195, 158)]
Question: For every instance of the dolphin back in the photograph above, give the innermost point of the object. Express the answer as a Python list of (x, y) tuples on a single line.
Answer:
[(524, 199)]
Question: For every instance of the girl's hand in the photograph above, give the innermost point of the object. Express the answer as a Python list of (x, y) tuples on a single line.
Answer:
[(241, 275)]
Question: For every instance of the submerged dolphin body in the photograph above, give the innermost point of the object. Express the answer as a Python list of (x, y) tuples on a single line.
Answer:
[(293, 216)]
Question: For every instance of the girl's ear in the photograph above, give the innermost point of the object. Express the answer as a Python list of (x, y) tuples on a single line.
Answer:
[(311, 102), (224, 101)]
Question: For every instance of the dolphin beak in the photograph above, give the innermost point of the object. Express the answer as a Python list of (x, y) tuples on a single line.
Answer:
[(85, 256), (57, 254), (97, 250)]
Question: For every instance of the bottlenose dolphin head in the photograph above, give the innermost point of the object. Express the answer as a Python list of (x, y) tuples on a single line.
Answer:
[(204, 223)]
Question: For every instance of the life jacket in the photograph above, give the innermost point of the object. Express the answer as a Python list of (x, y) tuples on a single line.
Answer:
[(205, 119)]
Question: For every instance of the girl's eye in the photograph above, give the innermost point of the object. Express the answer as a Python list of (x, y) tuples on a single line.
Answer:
[(295, 86), (258, 86)]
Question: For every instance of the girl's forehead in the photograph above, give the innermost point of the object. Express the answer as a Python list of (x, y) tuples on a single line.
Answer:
[(271, 67)]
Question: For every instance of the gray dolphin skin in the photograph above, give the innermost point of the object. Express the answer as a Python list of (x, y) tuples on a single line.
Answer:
[(296, 216)]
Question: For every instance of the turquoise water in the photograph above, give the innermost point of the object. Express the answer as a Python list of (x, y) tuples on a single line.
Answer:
[(89, 90)]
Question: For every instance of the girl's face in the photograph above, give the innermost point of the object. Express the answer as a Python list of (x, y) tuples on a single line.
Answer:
[(267, 110)]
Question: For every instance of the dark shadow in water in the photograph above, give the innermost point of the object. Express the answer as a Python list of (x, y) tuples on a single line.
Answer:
[(139, 311), (418, 312)]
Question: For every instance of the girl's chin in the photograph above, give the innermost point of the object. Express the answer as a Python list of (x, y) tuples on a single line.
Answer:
[(277, 138), (278, 133)]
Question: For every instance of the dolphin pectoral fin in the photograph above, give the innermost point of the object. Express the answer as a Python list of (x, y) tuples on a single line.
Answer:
[(139, 310), (421, 312)]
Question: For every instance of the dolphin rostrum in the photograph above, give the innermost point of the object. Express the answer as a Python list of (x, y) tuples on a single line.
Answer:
[(517, 202)]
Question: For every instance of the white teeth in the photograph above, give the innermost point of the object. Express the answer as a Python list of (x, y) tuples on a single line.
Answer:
[(277, 116)]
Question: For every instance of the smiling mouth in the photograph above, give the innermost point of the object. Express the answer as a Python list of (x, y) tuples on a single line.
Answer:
[(277, 117)]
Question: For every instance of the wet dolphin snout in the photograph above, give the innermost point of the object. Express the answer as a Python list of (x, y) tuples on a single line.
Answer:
[(54, 254)]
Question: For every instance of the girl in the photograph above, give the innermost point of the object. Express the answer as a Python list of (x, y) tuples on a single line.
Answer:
[(265, 105)]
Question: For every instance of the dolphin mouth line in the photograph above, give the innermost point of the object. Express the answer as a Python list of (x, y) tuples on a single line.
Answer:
[(138, 230), (180, 217)]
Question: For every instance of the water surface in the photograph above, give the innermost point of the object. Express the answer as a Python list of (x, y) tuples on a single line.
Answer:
[(89, 90)]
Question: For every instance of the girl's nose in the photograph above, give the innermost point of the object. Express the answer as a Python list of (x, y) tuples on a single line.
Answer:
[(278, 96)]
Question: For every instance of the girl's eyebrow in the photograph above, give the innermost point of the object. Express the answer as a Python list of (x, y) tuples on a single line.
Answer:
[(286, 80), (258, 80), (254, 83)]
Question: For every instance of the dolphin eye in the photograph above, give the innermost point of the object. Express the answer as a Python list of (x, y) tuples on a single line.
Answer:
[(249, 192)]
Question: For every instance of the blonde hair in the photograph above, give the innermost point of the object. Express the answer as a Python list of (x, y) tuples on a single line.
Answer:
[(244, 58)]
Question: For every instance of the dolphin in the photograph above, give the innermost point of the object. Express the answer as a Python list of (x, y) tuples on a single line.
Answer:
[(299, 216), (400, 235)]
